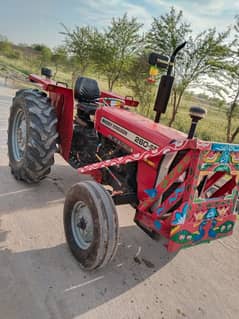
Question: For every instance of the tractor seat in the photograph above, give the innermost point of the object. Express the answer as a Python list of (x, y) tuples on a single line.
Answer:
[(86, 92)]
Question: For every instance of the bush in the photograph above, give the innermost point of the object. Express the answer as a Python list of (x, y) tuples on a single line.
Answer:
[(5, 47), (13, 54)]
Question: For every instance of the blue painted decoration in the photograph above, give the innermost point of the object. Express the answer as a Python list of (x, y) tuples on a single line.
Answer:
[(212, 233), (225, 157), (157, 224), (151, 192), (178, 191), (222, 147), (180, 216), (201, 233), (159, 210), (170, 200), (211, 213)]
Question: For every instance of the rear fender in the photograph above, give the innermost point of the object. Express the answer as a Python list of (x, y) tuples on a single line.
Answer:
[(63, 101)]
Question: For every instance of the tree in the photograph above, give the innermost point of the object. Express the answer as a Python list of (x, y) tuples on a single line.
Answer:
[(203, 57), (78, 43), (227, 88), (136, 78), (8, 49), (199, 58), (5, 47), (114, 48), (44, 52), (232, 73), (228, 92), (233, 109), (74, 65), (168, 31), (59, 57), (45, 55)]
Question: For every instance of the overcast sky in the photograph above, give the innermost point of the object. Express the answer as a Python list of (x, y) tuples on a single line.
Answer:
[(30, 21)]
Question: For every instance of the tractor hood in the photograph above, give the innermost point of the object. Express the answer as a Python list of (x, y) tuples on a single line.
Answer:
[(133, 129)]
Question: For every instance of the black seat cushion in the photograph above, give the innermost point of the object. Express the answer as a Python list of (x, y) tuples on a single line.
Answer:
[(86, 90), (87, 107)]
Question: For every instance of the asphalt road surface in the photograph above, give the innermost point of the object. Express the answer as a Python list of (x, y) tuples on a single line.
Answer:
[(39, 279)]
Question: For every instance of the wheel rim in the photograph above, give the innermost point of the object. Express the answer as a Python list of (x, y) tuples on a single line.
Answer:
[(19, 135), (82, 225)]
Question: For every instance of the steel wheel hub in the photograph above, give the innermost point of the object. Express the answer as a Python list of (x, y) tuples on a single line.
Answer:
[(19, 135), (82, 225)]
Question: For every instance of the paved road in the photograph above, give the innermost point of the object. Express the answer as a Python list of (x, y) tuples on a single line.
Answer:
[(39, 279)]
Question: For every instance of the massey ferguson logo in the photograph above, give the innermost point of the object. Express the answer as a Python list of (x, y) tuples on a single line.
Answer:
[(138, 140), (114, 126)]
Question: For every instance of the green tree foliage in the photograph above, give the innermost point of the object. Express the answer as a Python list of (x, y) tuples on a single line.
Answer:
[(113, 49), (8, 49), (168, 31), (78, 43), (136, 79), (227, 86), (59, 57), (75, 67), (5, 47), (233, 110), (200, 57), (44, 54)]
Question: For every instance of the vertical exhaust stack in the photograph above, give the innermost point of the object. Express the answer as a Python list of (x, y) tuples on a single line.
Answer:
[(166, 82), (196, 113)]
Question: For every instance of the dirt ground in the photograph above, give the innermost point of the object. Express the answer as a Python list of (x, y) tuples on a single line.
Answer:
[(39, 279)]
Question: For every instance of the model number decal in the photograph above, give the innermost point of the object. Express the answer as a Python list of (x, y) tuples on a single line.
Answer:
[(138, 140), (144, 143)]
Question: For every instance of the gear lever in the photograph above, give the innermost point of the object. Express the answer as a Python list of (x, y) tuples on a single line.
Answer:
[(196, 113)]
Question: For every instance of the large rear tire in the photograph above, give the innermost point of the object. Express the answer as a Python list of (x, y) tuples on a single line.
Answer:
[(91, 224), (32, 136)]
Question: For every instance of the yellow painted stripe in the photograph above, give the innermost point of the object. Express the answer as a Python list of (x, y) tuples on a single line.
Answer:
[(174, 230)]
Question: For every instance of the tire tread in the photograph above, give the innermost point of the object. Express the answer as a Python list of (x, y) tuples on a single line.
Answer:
[(41, 136)]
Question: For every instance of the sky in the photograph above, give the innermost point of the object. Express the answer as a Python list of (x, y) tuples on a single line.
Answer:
[(31, 21)]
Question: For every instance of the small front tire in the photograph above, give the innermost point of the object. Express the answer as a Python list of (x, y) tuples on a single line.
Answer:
[(91, 225)]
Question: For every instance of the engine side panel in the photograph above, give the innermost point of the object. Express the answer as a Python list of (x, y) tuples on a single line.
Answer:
[(134, 130), (138, 134)]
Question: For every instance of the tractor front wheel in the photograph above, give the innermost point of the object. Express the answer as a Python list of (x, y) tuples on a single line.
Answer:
[(32, 135), (91, 224)]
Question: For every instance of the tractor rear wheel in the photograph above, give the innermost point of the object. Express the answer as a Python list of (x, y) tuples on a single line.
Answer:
[(32, 136), (91, 224)]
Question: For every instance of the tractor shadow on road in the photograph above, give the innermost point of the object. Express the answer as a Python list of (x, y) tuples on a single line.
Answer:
[(16, 195), (70, 292), (55, 274)]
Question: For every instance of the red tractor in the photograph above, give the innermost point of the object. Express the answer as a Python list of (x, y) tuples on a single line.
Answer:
[(182, 188)]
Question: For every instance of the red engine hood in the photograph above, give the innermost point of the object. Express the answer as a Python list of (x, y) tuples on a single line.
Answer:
[(134, 130)]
